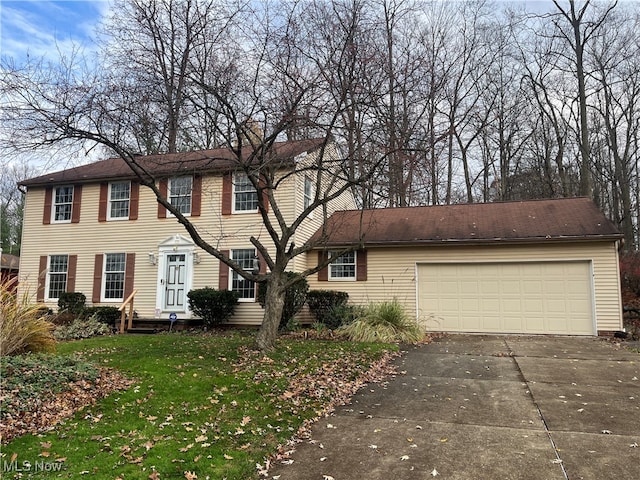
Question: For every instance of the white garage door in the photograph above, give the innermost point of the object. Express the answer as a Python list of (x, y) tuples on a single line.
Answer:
[(521, 297)]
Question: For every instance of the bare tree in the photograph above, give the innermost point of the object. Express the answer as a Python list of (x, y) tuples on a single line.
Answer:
[(578, 29), (616, 58), (152, 50), (46, 106)]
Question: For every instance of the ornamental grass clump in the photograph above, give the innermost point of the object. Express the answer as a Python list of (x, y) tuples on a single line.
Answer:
[(22, 327), (383, 322)]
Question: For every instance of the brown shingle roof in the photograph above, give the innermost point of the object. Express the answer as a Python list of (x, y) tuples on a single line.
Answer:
[(527, 221), (215, 160)]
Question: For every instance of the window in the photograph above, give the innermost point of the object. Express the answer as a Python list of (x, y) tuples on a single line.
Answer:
[(180, 189), (113, 278), (245, 196), (119, 197), (57, 277), (62, 204), (308, 192), (343, 267), (244, 288)]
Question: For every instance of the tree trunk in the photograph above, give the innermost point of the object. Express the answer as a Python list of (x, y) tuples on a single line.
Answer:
[(274, 304)]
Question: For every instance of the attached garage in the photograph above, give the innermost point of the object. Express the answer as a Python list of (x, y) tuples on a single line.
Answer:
[(508, 297), (532, 267)]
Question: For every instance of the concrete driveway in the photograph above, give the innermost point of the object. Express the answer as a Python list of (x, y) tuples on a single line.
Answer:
[(486, 407)]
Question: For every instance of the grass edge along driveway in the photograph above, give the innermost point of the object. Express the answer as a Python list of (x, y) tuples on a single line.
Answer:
[(202, 406)]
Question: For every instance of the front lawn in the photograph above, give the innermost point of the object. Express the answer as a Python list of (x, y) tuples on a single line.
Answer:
[(201, 406)]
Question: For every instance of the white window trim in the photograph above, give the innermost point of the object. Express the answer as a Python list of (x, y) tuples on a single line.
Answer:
[(109, 200), (103, 285), (53, 204), (331, 278), (233, 197), (170, 214), (232, 272), (48, 279)]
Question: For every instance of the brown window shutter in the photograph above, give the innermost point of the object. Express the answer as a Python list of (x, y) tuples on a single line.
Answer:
[(97, 278), (71, 273), (129, 274), (77, 201), (227, 191), (265, 195), (102, 204), (323, 275), (223, 275), (163, 186), (361, 265), (196, 196), (42, 277), (134, 200), (263, 263), (46, 214)]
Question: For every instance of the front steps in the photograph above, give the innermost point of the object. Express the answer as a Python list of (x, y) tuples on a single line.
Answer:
[(155, 325)]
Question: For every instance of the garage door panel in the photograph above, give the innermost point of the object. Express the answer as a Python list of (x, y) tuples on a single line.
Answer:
[(519, 297)]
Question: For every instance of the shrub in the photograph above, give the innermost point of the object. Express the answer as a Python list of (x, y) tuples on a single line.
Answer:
[(343, 315), (327, 306), (294, 298), (383, 322), (81, 329), (64, 317), (22, 326), (108, 315), (213, 306), (72, 301)]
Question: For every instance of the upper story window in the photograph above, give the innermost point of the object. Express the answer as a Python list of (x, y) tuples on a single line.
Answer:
[(113, 278), (245, 196), (243, 287), (119, 199), (62, 204), (57, 276), (343, 267), (180, 189), (309, 192)]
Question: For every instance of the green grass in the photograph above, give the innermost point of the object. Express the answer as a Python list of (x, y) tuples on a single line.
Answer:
[(203, 404)]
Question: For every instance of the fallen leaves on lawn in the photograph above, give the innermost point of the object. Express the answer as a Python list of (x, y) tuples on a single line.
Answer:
[(50, 412)]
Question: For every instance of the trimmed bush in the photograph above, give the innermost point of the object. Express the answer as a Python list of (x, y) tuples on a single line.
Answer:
[(22, 326), (294, 298), (213, 306), (107, 315), (81, 329), (328, 306), (383, 322), (73, 302)]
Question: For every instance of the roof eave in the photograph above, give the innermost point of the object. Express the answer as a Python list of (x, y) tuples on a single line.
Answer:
[(478, 241)]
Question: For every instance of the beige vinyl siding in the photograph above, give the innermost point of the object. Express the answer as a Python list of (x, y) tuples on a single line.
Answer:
[(392, 272), (313, 222)]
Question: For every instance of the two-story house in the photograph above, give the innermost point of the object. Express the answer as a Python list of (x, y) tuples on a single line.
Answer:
[(94, 229), (532, 267)]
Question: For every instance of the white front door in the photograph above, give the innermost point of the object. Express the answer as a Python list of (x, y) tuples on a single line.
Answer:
[(174, 282)]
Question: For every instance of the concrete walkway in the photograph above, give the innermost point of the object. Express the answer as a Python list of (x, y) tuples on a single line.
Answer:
[(486, 407)]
